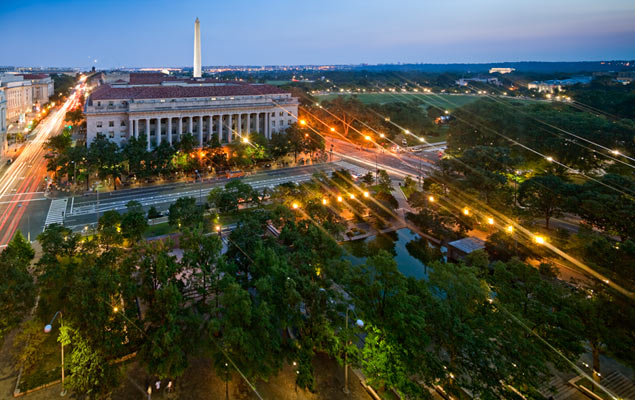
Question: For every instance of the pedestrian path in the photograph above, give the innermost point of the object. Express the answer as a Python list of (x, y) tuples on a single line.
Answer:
[(619, 385), (56, 212)]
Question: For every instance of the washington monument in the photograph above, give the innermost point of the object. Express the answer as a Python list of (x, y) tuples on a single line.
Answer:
[(197, 49)]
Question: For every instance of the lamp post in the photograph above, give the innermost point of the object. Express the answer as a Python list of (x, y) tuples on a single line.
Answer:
[(48, 329), (360, 324), (200, 186), (226, 381)]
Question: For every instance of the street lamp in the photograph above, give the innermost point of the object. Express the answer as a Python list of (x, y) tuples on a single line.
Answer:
[(539, 239), (431, 199), (47, 329), (200, 186), (359, 323), (466, 211)]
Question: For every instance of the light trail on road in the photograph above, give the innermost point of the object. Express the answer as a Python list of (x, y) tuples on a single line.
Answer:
[(21, 180)]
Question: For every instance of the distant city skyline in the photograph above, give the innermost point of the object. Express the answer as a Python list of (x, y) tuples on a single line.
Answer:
[(282, 32)]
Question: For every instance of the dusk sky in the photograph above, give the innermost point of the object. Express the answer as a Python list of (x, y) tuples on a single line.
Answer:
[(135, 33)]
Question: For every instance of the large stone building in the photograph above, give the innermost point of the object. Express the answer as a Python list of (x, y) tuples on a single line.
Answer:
[(3, 115), (162, 108), (23, 92)]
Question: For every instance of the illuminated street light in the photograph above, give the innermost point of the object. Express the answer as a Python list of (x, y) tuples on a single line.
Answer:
[(447, 112), (302, 122), (366, 194), (381, 135), (431, 199), (325, 202), (539, 239), (367, 137), (339, 199), (352, 196), (616, 152), (422, 139), (550, 159), (115, 309), (407, 131), (509, 229), (245, 140), (217, 228), (466, 211), (490, 221), (332, 129)]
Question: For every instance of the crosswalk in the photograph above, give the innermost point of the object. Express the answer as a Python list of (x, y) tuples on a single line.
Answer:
[(354, 169), (56, 212)]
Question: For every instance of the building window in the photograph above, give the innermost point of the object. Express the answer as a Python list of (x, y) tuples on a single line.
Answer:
[(123, 123), (111, 124), (281, 113), (273, 123), (273, 114), (98, 124), (99, 104), (111, 134)]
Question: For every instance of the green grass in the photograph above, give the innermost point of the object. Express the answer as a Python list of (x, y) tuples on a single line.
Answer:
[(447, 101), (159, 230), (277, 83)]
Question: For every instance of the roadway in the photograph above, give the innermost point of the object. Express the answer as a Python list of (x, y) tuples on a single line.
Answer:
[(80, 211), (22, 202), (395, 163)]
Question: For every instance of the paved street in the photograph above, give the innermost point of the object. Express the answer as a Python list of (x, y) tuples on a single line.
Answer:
[(22, 202), (80, 211)]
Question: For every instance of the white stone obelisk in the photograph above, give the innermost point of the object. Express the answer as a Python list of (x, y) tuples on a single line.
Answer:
[(197, 49)]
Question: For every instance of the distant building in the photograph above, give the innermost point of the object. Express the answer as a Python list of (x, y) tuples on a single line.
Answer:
[(3, 117), (458, 249), (501, 70), (23, 92), (625, 77), (42, 87), (557, 84), (162, 108), (466, 81)]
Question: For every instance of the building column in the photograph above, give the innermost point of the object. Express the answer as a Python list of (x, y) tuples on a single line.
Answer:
[(257, 122), (158, 131), (180, 127), (170, 130), (249, 122), (230, 131), (200, 131), (268, 125), (239, 127), (189, 125), (220, 128), (210, 129), (148, 132), (130, 128)]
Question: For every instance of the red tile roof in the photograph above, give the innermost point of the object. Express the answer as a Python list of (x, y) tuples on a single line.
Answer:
[(34, 76), (107, 92)]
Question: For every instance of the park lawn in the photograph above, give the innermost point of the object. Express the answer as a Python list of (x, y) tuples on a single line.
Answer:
[(48, 369), (278, 83), (159, 230), (446, 101)]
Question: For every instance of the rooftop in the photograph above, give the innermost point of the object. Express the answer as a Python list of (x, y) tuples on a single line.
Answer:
[(187, 89), (468, 244)]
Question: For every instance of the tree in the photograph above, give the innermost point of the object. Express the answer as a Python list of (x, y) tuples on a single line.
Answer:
[(89, 371), (608, 209), (544, 195), (606, 331), (17, 289), (104, 155), (133, 222), (110, 229), (185, 213)]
